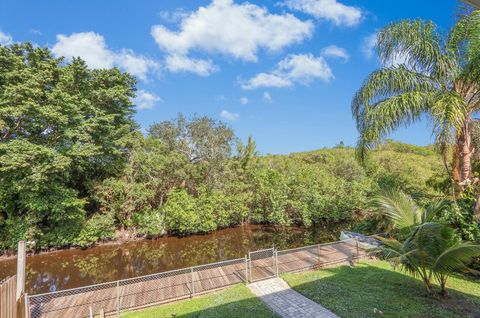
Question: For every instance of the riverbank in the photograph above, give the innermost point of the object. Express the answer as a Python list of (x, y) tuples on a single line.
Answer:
[(122, 237), (72, 268)]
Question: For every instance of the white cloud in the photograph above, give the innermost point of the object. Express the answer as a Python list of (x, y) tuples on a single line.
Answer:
[(331, 10), (267, 80), (368, 45), (35, 31), (175, 16), (92, 48), (5, 39), (236, 30), (335, 51), (368, 49), (295, 68), (179, 63), (229, 116), (267, 97), (146, 100), (243, 100)]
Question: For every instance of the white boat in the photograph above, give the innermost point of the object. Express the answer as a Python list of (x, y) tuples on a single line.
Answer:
[(364, 241)]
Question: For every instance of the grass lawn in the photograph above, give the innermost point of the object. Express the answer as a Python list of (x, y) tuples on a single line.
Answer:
[(235, 302), (373, 285)]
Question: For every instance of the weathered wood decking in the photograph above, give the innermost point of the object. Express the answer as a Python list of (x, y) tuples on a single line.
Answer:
[(179, 284)]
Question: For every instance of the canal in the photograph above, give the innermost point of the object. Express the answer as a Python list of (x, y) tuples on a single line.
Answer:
[(75, 267)]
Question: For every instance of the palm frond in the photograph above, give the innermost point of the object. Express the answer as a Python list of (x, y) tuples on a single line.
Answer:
[(433, 210), (388, 82), (378, 120), (456, 258), (417, 41), (399, 208)]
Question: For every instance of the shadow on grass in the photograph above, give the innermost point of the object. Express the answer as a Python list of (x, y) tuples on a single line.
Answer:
[(371, 289), (235, 302), (377, 291)]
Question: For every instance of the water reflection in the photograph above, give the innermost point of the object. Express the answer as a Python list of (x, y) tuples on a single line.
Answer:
[(74, 268)]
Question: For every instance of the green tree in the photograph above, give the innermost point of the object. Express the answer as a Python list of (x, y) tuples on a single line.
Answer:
[(428, 249), (63, 128), (205, 142), (436, 76)]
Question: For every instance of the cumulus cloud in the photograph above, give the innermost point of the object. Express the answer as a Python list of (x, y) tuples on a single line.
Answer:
[(244, 100), (235, 30), (331, 10), (146, 100), (173, 16), (180, 63), (368, 45), (335, 51), (267, 97), (35, 31), (92, 48), (229, 116), (295, 68), (5, 39)]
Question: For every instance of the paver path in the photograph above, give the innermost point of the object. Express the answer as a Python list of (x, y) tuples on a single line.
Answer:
[(286, 302)]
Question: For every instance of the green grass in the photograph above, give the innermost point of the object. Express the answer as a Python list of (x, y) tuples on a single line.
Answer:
[(235, 302), (373, 286)]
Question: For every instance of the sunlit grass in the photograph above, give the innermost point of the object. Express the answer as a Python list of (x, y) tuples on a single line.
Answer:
[(374, 289), (235, 302)]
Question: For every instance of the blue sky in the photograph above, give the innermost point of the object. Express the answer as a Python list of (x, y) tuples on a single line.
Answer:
[(282, 71)]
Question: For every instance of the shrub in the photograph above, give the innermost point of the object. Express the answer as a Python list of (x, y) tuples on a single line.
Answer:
[(149, 223), (98, 227)]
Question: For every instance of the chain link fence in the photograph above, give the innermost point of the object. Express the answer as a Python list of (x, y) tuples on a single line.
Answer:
[(262, 264), (144, 291)]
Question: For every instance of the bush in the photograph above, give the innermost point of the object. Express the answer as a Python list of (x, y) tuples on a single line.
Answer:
[(180, 212), (149, 223), (98, 227)]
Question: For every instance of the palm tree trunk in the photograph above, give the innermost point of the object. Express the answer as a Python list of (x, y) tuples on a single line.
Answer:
[(456, 164), (465, 151)]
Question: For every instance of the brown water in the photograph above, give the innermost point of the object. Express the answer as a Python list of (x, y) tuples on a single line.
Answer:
[(74, 268)]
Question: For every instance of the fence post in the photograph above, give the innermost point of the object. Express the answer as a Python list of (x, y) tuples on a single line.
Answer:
[(193, 284), (319, 255), (275, 255), (246, 270), (21, 260), (250, 266), (358, 254), (26, 307), (118, 298)]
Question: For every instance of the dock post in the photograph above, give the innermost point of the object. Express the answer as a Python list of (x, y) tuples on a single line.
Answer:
[(21, 261)]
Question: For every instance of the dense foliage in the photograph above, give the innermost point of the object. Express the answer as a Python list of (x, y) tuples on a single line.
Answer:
[(63, 128), (426, 74), (76, 170), (426, 247)]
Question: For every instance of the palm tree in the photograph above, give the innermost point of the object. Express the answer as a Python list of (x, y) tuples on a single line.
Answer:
[(424, 75), (430, 249)]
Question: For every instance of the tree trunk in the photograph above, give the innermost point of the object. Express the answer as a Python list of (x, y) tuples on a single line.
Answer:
[(465, 152), (456, 164)]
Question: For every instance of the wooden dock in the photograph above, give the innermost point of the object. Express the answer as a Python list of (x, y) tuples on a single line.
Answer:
[(185, 283)]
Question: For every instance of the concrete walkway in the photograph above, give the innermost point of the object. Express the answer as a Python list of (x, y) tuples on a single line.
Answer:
[(286, 302)]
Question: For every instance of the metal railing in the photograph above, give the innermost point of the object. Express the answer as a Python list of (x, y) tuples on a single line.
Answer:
[(144, 291)]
